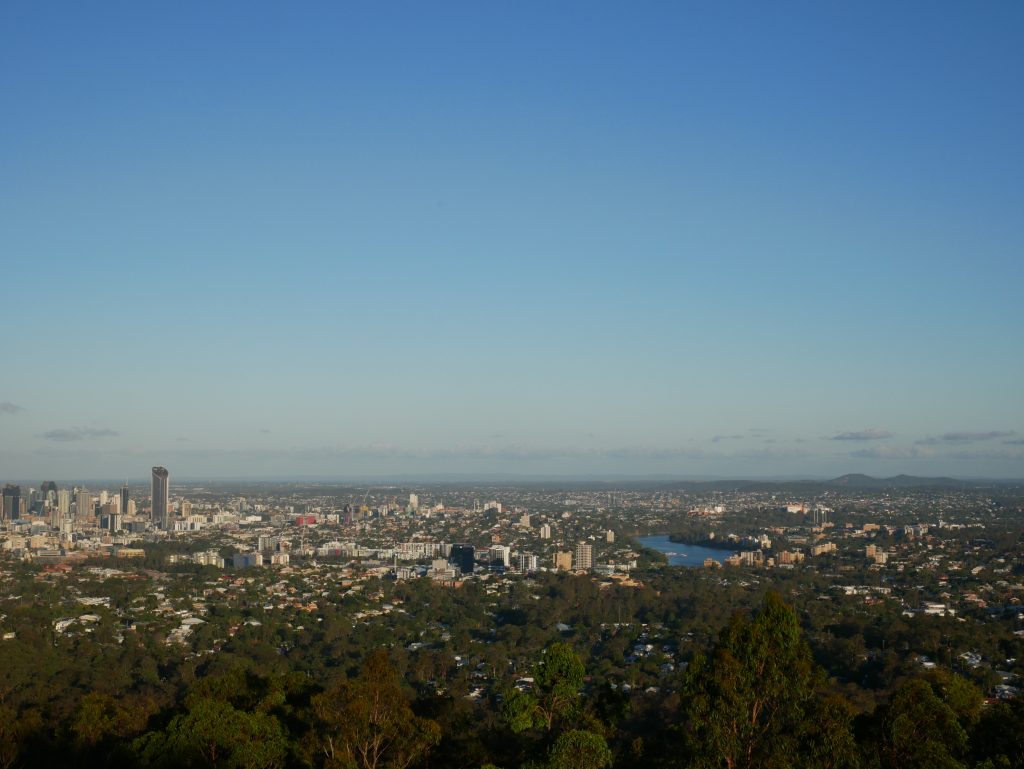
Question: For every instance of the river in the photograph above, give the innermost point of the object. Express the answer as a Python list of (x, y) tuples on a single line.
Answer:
[(680, 554)]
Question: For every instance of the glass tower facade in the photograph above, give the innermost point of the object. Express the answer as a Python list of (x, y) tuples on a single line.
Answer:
[(161, 497)]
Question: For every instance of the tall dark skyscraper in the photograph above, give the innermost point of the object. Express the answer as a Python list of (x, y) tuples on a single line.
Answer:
[(124, 499), (12, 502), (48, 494), (463, 556), (161, 497)]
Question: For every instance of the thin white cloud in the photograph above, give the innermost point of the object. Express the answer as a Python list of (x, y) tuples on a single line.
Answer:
[(68, 434), (6, 407), (871, 434), (892, 452), (958, 438)]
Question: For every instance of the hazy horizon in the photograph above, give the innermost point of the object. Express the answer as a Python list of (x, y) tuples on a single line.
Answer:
[(497, 480), (572, 240)]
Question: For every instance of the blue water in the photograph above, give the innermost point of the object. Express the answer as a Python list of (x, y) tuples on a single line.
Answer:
[(683, 555)]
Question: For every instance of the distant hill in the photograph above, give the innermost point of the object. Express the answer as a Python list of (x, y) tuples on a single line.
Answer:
[(861, 481), (854, 481)]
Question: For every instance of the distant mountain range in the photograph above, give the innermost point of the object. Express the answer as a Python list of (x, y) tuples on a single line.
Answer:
[(857, 481), (861, 481)]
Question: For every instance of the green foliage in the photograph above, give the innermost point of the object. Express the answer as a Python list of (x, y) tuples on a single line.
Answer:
[(999, 762), (10, 737), (557, 680), (213, 733), (826, 735), (101, 718), (999, 735), (962, 696), (920, 731), (578, 749), (746, 705), (520, 711), (295, 688), (367, 723)]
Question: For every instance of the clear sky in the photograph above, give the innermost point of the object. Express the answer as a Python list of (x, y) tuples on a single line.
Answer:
[(680, 239)]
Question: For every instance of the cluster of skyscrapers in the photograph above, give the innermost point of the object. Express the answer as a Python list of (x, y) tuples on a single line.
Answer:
[(66, 506), (500, 557)]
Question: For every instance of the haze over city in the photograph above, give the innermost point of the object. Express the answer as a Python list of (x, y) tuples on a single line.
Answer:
[(577, 240)]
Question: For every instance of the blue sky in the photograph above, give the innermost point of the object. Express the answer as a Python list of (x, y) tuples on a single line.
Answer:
[(578, 238)]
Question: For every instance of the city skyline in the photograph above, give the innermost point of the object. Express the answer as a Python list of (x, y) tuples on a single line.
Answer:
[(573, 241)]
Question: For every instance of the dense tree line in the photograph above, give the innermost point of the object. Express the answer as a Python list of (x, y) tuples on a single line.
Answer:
[(470, 678)]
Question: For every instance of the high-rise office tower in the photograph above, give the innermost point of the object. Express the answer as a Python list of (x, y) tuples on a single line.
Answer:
[(12, 502), (64, 503), (584, 556), (526, 563), (83, 504), (161, 496), (500, 555), (49, 492), (124, 499), (463, 556)]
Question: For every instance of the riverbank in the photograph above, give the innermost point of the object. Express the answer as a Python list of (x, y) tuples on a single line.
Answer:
[(678, 553), (711, 544)]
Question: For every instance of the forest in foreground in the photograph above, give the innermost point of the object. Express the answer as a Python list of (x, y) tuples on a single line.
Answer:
[(747, 688)]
